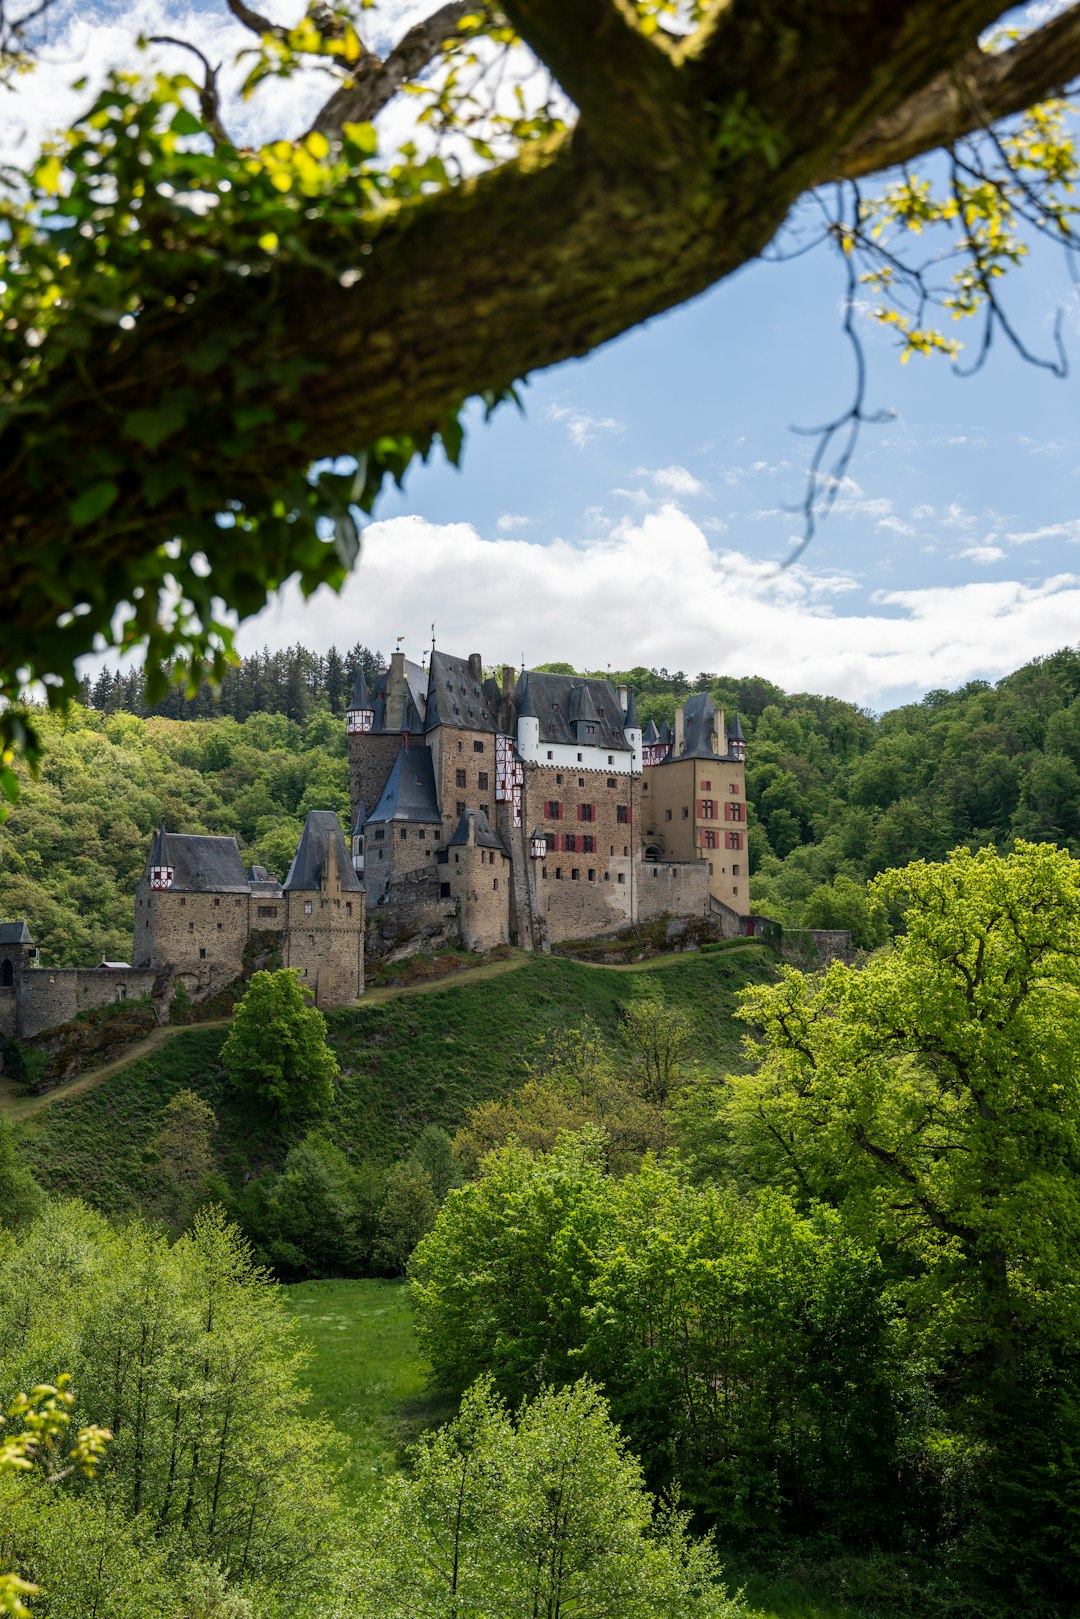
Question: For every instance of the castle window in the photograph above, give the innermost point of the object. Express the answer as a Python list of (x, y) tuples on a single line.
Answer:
[(579, 758), (667, 815), (438, 834), (307, 907), (558, 778), (734, 888), (550, 754), (592, 875), (219, 926), (644, 786), (621, 878), (459, 778), (403, 834), (708, 809), (379, 834), (482, 781), (202, 952), (495, 882), (622, 814), (708, 839), (733, 840), (444, 890), (586, 812), (236, 904), (348, 907), (611, 779), (734, 871), (710, 868), (733, 788), (581, 779), (457, 860), (543, 872), (706, 786), (611, 848), (191, 927), (461, 806), (421, 834), (611, 761), (217, 902), (733, 812), (267, 910), (588, 844), (625, 849), (685, 813), (574, 874), (460, 746), (478, 747), (558, 871), (183, 901), (570, 842)]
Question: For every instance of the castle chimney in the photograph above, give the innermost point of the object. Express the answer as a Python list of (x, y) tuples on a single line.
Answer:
[(476, 666), (622, 694), (680, 731), (507, 680)]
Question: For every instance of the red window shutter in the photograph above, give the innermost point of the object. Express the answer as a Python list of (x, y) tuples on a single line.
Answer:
[(581, 812), (727, 812)]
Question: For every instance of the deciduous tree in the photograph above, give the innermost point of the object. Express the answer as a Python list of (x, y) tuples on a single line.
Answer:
[(276, 1051)]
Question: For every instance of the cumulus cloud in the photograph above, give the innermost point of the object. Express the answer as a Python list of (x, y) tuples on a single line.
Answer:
[(1069, 530), (513, 523), (983, 554), (677, 481), (653, 590)]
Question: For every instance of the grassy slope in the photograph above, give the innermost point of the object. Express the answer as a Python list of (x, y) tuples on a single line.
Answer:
[(406, 1062), (367, 1376)]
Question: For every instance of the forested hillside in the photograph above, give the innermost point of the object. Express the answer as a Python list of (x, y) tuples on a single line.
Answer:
[(837, 794)]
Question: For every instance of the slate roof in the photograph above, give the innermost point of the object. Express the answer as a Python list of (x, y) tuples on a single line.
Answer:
[(322, 830), (361, 697), (15, 933), (735, 730), (409, 794), (551, 696), (263, 882), (486, 837), (359, 818), (650, 733), (456, 697), (526, 708), (583, 705), (699, 722), (200, 865), (665, 733), (630, 723)]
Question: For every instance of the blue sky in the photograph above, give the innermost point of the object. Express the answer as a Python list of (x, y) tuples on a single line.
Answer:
[(635, 512)]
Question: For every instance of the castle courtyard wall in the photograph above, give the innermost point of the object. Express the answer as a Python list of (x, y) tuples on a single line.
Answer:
[(480, 882), (324, 944), (202, 935), (46, 996)]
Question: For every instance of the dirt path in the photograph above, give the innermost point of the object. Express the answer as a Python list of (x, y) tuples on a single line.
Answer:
[(16, 1106)]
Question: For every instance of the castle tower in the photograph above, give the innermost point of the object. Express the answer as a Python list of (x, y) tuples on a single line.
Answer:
[(478, 866), (528, 724), (324, 941), (17, 952), (192, 908), (633, 734)]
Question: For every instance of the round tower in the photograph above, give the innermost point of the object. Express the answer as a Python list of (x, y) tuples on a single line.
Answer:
[(528, 725), (360, 716), (632, 733)]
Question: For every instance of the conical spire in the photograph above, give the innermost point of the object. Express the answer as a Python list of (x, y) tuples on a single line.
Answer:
[(735, 730), (526, 707), (361, 697), (631, 721)]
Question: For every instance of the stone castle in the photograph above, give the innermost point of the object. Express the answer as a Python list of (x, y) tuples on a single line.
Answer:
[(527, 810)]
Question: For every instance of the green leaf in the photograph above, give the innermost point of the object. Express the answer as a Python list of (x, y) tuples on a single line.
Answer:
[(92, 503), (154, 424)]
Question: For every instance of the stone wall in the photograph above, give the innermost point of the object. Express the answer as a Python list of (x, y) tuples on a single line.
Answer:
[(672, 888), (202, 935), (371, 759), (46, 996), (581, 890), (420, 912), (392, 850), (324, 944), (480, 882), (674, 798), (464, 765)]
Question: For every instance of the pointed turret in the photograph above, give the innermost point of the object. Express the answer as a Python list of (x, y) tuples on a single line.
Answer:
[(161, 867), (528, 720), (632, 733), (650, 734), (360, 716), (630, 723), (736, 740)]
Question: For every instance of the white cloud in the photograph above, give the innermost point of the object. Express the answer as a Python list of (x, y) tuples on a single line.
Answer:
[(589, 603), (894, 525), (677, 481), (1069, 530), (581, 427), (983, 554), (513, 523)]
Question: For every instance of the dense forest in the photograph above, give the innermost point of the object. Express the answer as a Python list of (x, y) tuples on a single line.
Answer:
[(837, 794)]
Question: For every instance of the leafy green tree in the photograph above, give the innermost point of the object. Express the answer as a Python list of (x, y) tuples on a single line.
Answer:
[(406, 1214), (542, 1515), (934, 1096), (20, 1195), (184, 1147), (657, 1037), (314, 1220), (276, 1051), (434, 1151), (844, 903)]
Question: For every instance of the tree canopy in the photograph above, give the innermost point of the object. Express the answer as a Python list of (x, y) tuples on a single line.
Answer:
[(189, 324), (277, 1051)]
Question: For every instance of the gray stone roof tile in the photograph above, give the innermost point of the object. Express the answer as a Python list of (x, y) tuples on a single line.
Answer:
[(322, 833), (552, 696), (200, 865), (458, 696), (486, 836), (409, 794), (15, 933)]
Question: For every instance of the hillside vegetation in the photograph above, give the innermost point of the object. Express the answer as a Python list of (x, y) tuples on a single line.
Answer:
[(836, 794), (418, 1060)]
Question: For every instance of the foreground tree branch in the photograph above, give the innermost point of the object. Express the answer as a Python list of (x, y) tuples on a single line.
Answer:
[(976, 91), (361, 323)]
